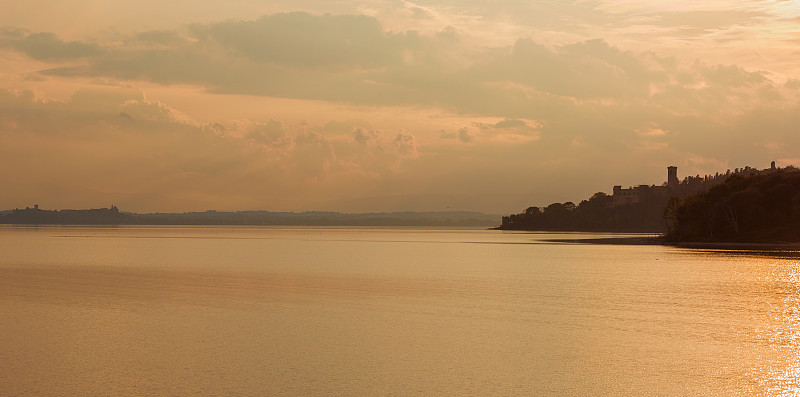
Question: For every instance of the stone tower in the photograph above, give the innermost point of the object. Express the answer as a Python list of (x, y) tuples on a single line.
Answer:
[(672, 176)]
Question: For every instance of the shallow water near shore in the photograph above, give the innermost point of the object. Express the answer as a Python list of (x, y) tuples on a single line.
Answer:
[(399, 311)]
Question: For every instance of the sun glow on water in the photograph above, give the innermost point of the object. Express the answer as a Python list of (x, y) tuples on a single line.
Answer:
[(784, 380)]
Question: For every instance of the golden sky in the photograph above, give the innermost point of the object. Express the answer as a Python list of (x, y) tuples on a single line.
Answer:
[(385, 105)]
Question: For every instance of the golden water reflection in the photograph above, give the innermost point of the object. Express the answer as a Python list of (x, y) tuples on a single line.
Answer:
[(301, 311), (784, 379)]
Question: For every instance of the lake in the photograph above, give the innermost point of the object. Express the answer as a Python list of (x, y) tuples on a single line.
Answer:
[(388, 311)]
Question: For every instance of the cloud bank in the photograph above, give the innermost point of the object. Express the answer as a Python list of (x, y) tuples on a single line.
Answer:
[(487, 125)]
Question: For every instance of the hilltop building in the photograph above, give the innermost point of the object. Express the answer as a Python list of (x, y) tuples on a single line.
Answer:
[(674, 187), (672, 176), (636, 194)]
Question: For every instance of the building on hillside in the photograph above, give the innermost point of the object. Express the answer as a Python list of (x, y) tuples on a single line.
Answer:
[(639, 193), (675, 187)]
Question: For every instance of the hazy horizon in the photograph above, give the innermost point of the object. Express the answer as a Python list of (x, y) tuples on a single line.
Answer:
[(36, 206), (382, 106)]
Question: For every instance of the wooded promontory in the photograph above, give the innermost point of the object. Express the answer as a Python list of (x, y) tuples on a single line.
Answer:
[(763, 208), (694, 209)]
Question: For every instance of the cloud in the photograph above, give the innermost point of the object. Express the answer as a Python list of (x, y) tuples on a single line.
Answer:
[(313, 154), (363, 136), (554, 110), (704, 20), (652, 131), (269, 133), (353, 59), (307, 41), (510, 130), (509, 124), (732, 76), (464, 135), (590, 69), (127, 150), (106, 146), (46, 46), (792, 84), (152, 111), (406, 145), (350, 58), (418, 11), (344, 127), (159, 37)]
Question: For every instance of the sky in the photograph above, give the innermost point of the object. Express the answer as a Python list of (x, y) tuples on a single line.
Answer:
[(384, 105)]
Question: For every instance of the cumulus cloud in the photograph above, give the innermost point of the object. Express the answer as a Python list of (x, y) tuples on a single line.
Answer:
[(406, 145), (152, 110), (270, 133), (363, 136)]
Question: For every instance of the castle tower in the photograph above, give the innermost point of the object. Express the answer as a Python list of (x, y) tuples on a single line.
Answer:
[(672, 176)]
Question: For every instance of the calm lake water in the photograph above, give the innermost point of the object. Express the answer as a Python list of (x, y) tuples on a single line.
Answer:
[(343, 311)]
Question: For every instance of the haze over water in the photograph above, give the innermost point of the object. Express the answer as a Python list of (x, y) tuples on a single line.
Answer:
[(336, 311)]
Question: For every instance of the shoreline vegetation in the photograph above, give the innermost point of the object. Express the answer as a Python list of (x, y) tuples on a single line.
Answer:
[(760, 209), (746, 209), (635, 209)]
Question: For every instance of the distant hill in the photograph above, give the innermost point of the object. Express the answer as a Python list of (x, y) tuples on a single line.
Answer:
[(317, 218), (112, 216), (759, 208)]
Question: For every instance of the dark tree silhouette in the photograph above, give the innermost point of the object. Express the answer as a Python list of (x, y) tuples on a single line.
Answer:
[(757, 208)]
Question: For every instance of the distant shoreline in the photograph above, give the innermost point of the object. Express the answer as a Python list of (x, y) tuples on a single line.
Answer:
[(113, 216)]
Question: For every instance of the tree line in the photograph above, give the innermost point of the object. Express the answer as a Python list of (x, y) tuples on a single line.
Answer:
[(745, 204), (758, 208), (598, 213)]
